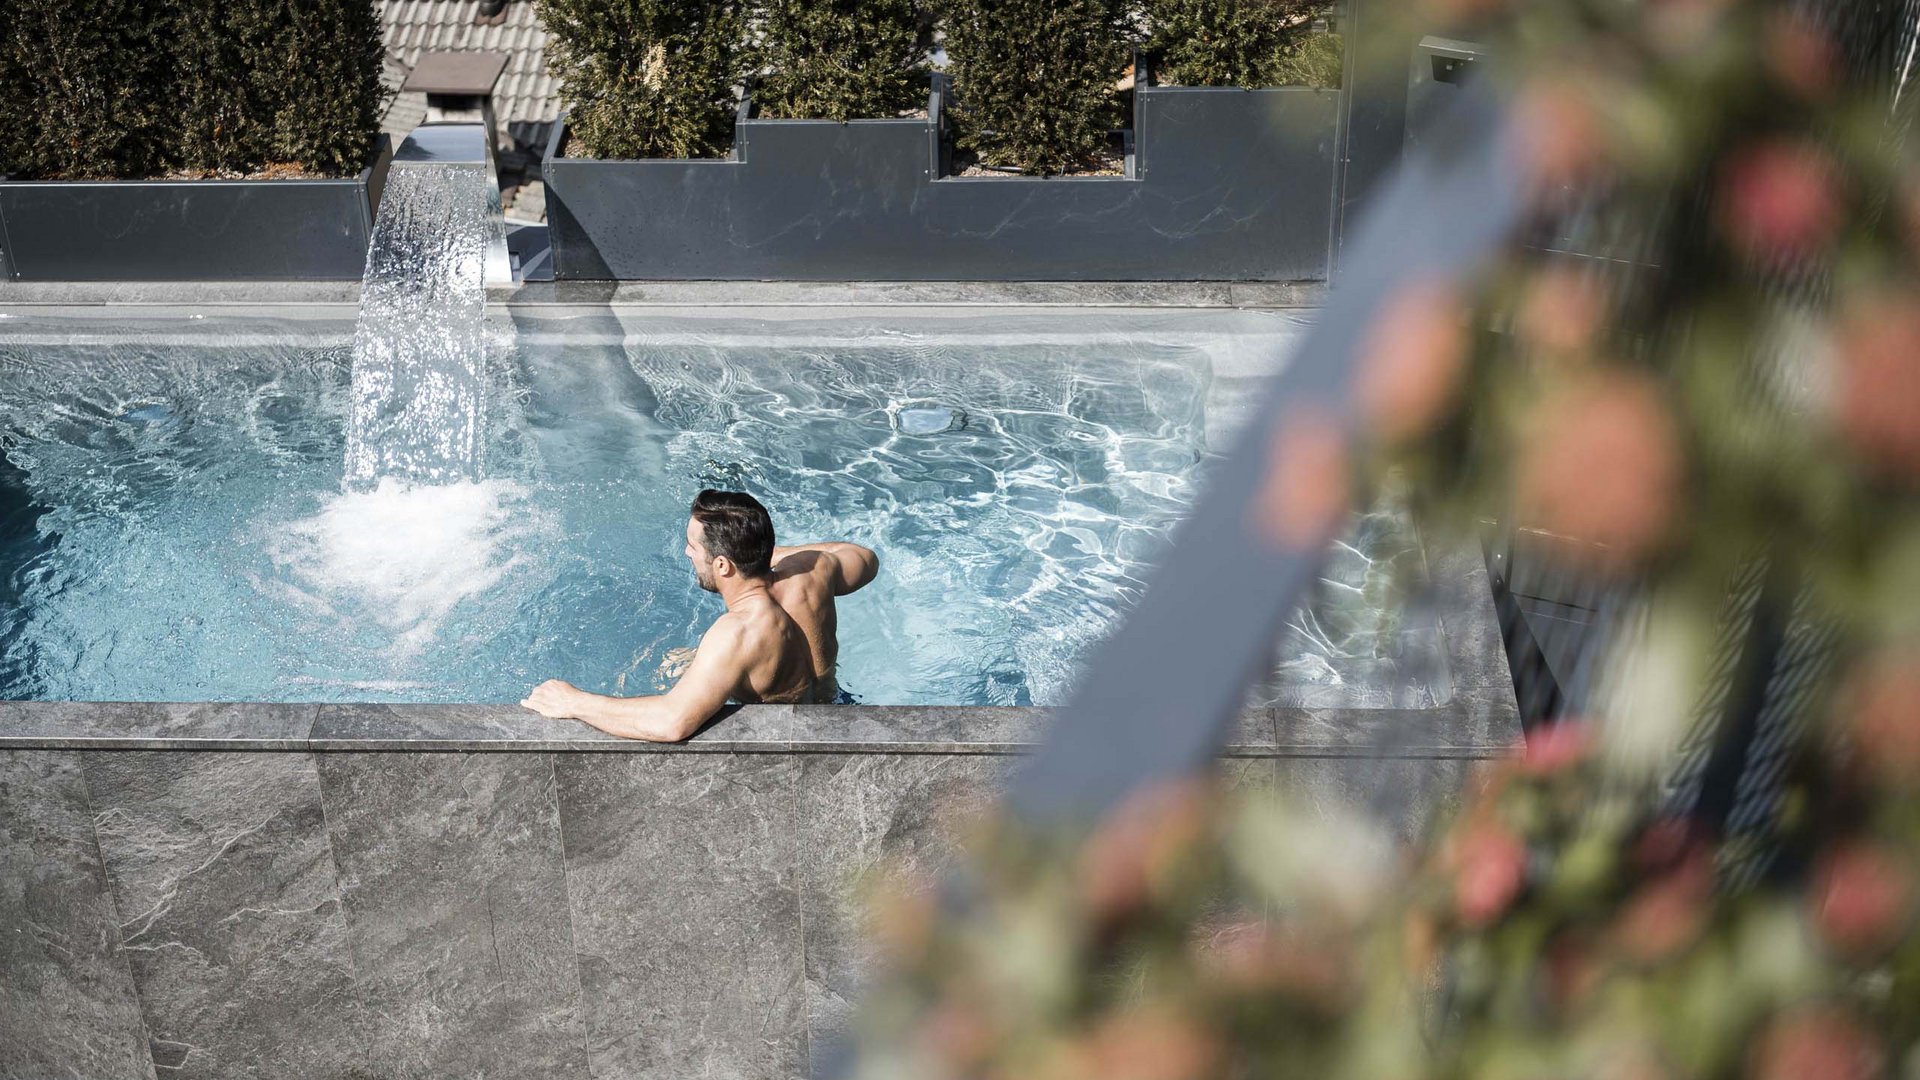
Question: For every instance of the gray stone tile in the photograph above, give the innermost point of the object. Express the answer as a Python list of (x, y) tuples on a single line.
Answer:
[(510, 727), (1464, 597), (230, 912), (752, 293), (1247, 775), (686, 918), (70, 293), (855, 812), (456, 898), (1250, 734), (963, 729), (67, 1004), (1468, 727), (154, 725), (909, 729), (1277, 294), (1403, 795)]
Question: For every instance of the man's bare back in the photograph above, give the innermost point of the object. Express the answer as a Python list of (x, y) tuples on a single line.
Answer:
[(776, 642), (806, 580)]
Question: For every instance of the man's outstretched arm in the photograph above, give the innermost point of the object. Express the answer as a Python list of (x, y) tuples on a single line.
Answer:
[(856, 565), (669, 717)]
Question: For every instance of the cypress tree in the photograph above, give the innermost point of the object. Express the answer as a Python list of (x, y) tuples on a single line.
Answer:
[(321, 77), (220, 123), (78, 85), (116, 89), (841, 59), (1236, 42), (1034, 80), (265, 81), (648, 78)]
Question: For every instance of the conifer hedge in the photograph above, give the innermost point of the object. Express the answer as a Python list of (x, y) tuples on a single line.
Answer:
[(648, 78), (1235, 42), (1034, 81), (105, 89), (842, 59), (75, 88)]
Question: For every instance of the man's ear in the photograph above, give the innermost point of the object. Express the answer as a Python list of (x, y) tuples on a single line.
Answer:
[(723, 566)]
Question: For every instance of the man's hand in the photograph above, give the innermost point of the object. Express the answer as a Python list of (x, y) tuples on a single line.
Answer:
[(556, 699)]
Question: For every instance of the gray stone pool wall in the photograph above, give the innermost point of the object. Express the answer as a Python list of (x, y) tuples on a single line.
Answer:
[(382, 891)]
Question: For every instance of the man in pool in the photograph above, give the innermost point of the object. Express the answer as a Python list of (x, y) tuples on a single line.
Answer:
[(776, 643)]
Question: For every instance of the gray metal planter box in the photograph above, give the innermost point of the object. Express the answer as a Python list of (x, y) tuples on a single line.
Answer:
[(190, 230), (1222, 184)]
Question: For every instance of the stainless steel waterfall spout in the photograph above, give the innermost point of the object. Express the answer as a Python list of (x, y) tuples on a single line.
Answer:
[(463, 144)]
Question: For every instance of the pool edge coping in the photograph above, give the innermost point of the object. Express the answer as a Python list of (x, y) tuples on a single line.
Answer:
[(601, 294), (1468, 727)]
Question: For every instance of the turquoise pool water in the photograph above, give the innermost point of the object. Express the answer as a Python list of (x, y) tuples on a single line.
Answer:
[(174, 526)]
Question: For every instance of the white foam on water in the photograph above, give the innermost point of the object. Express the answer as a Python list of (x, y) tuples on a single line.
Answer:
[(404, 558)]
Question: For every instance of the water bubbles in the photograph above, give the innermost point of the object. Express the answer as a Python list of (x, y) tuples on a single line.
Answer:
[(395, 563), (725, 475), (151, 414), (928, 419)]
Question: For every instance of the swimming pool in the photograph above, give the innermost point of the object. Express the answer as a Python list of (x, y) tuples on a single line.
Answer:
[(174, 527)]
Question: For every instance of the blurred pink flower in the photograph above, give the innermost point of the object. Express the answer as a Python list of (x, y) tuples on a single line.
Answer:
[(1556, 746), (1681, 26), (1135, 848), (1154, 1044), (1564, 140), (1305, 494), (958, 1035), (1816, 1043), (1562, 310), (1667, 914), (1780, 201), (1666, 843), (1411, 365), (1880, 707), (1599, 464), (1862, 899), (1802, 55), (1490, 867), (1253, 956), (1878, 391)]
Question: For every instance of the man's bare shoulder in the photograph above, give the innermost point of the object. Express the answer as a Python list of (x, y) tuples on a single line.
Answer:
[(810, 564), (729, 631)]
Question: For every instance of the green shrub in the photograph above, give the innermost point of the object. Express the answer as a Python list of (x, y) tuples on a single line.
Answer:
[(841, 59), (1033, 80), (132, 88), (76, 88), (320, 70), (219, 124), (648, 78), (260, 82), (1237, 42), (1319, 62)]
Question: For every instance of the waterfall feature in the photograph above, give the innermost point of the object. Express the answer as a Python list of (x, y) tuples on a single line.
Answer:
[(419, 354), (418, 537)]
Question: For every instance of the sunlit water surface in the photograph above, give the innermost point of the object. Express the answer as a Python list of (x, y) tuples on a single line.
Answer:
[(174, 523)]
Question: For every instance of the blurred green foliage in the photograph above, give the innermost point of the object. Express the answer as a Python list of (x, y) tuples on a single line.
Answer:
[(1720, 396)]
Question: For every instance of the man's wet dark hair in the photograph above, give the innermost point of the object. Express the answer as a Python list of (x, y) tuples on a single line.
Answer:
[(734, 524)]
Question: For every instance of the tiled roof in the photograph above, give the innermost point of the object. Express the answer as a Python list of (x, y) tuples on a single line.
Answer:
[(526, 99)]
